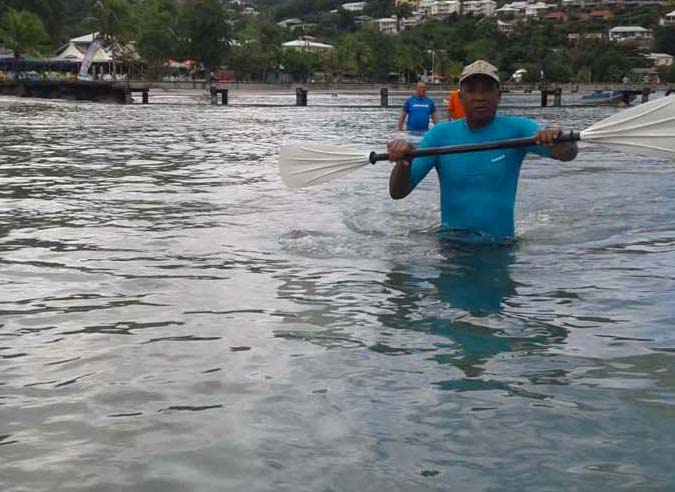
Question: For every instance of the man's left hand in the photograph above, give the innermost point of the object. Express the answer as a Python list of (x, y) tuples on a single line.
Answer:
[(547, 136), (561, 151)]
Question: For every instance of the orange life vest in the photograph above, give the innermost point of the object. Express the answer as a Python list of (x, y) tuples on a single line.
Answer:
[(455, 108)]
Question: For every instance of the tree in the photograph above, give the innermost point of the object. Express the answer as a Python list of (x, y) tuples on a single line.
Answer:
[(354, 56), (300, 64), (21, 32), (113, 20), (583, 75), (402, 11), (257, 50), (664, 39), (379, 8), (667, 74), (408, 61), (158, 32), (205, 31), (376, 53), (450, 69), (51, 12), (345, 21)]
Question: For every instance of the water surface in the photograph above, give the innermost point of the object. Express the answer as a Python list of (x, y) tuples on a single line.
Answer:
[(172, 318)]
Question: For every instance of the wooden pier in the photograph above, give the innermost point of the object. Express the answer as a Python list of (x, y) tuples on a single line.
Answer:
[(122, 92), (78, 90), (628, 93)]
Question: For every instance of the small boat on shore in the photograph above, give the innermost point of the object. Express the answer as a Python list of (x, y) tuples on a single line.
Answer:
[(607, 98)]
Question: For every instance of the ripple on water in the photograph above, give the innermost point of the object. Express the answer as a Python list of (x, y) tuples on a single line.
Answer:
[(173, 318)]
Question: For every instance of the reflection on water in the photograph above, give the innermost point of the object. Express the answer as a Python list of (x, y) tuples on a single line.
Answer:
[(470, 284), (172, 318)]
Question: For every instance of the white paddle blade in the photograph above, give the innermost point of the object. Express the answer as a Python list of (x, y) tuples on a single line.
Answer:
[(647, 129), (306, 164)]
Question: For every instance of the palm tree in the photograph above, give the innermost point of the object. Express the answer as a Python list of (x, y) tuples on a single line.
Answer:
[(21, 32), (402, 11), (112, 19)]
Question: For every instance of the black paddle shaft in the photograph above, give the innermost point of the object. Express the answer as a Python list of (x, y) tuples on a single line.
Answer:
[(571, 136)]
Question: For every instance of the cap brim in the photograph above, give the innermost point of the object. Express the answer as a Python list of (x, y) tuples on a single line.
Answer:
[(462, 79)]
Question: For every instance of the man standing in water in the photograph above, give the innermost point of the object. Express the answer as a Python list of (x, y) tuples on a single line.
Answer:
[(455, 108), (418, 109), (478, 190)]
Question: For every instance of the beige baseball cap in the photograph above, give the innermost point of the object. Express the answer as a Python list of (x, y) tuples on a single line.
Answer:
[(479, 67)]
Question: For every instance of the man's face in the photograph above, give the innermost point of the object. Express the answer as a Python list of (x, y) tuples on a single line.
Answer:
[(480, 97), (421, 90)]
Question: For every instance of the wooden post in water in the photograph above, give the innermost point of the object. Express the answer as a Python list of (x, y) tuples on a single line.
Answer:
[(300, 96), (544, 98), (384, 97), (645, 94), (557, 97), (223, 93), (146, 97)]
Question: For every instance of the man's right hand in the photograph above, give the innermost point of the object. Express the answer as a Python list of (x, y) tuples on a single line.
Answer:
[(399, 150)]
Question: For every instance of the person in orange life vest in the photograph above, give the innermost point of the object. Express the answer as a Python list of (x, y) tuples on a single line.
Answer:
[(455, 108)]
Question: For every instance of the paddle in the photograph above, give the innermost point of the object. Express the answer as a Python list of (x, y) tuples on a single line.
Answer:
[(647, 129)]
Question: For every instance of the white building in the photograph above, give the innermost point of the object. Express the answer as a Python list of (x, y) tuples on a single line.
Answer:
[(536, 9), (84, 41), (290, 23), (668, 19), (480, 8), (505, 27), (409, 22), (660, 59), (580, 3), (297, 25), (443, 8), (523, 9), (306, 45), (509, 11), (387, 25), (70, 53), (354, 6), (622, 34)]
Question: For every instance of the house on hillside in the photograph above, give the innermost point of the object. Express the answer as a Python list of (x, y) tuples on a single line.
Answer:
[(623, 34), (660, 59), (576, 37), (442, 8), (509, 11), (603, 14), (354, 6), (410, 22), (306, 44), (296, 24), (480, 8), (505, 27), (668, 19), (290, 23), (537, 10), (386, 25)]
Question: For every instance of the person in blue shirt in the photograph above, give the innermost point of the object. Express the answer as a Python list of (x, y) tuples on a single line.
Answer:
[(418, 109), (478, 189)]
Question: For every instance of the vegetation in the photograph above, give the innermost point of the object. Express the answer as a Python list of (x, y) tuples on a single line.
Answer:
[(21, 31), (217, 33)]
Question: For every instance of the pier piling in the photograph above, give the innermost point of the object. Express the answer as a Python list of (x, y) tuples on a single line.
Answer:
[(300, 96), (384, 97)]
